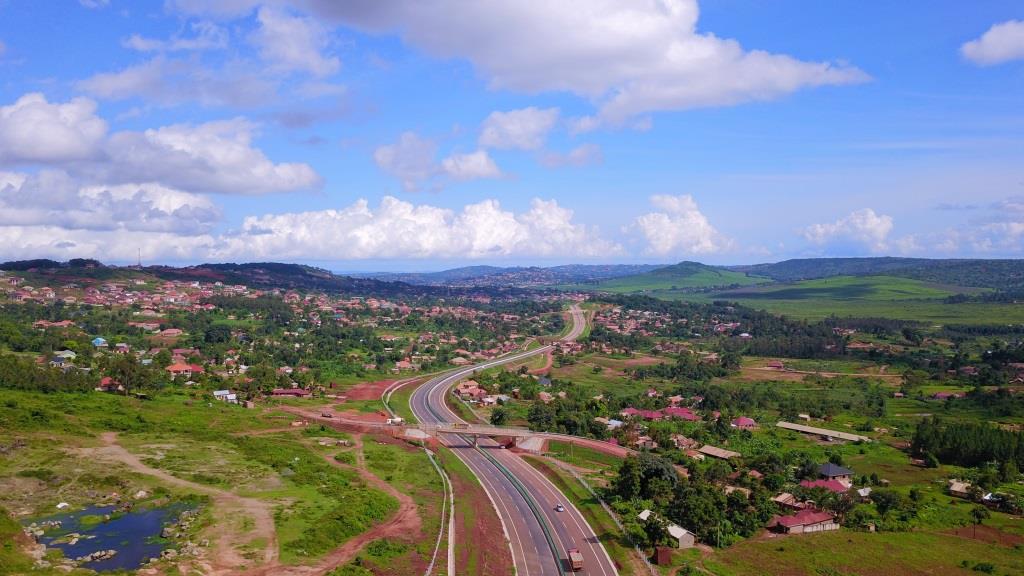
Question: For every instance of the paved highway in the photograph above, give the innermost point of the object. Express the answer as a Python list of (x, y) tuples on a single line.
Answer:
[(525, 500)]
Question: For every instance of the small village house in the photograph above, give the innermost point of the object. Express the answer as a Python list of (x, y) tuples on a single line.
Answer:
[(806, 521)]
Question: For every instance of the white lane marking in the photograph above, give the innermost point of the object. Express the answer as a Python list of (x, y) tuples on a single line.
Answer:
[(575, 515), (439, 387), (488, 486)]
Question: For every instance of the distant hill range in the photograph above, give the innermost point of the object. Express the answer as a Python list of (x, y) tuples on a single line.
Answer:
[(620, 278), (997, 274), (522, 277), (683, 276), (259, 275)]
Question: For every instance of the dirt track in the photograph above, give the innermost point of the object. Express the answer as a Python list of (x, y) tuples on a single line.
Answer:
[(225, 559), (404, 525)]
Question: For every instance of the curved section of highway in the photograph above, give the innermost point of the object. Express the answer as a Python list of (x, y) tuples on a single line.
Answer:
[(525, 500)]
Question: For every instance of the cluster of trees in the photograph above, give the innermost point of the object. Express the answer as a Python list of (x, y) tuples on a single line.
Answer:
[(968, 443), (17, 373), (770, 335), (688, 367), (601, 335), (874, 326), (697, 503), (567, 417), (271, 310)]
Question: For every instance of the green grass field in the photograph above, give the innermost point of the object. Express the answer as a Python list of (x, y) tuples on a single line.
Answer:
[(868, 296), (582, 456), (859, 288), (864, 553), (672, 278), (410, 472), (400, 402)]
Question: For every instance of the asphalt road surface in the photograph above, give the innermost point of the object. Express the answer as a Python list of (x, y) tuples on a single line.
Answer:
[(525, 500)]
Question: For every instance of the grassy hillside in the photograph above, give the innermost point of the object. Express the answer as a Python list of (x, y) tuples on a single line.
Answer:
[(870, 288), (999, 274), (685, 275), (868, 296)]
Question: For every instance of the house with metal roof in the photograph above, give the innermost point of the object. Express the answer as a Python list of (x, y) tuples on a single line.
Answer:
[(830, 471)]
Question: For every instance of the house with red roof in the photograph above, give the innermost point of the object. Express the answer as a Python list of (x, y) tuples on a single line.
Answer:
[(108, 384), (744, 423), (182, 369), (830, 485), (645, 414), (805, 521), (680, 413)]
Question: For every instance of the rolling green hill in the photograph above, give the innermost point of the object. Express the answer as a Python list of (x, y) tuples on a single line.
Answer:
[(866, 296), (998, 274), (867, 288), (682, 276)]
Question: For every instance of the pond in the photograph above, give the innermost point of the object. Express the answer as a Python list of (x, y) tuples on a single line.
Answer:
[(135, 535)]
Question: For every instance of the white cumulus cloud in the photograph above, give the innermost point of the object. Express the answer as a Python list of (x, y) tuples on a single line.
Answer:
[(292, 43), (471, 166), (399, 229), (864, 227), (213, 157), (34, 130), (53, 198), (413, 160), (207, 36), (582, 155), (524, 129), (679, 228), (170, 82), (1002, 42), (631, 56)]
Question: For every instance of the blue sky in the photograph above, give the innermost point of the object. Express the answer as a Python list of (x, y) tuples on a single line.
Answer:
[(422, 135)]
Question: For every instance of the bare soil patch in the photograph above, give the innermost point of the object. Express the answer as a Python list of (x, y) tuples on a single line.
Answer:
[(368, 390), (486, 533), (643, 361), (226, 558), (989, 535), (370, 417), (548, 363)]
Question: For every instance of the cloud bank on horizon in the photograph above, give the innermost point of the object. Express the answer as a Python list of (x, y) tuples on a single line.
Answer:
[(606, 130)]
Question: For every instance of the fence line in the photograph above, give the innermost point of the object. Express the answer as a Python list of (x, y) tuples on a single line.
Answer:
[(611, 513)]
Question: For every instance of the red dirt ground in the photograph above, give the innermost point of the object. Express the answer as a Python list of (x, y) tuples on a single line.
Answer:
[(486, 534), (375, 417), (989, 535), (405, 525), (547, 365), (368, 390), (646, 361)]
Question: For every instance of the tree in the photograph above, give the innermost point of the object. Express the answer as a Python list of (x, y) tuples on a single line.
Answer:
[(127, 371), (162, 358), (499, 416), (627, 484), (1008, 471), (978, 515), (541, 416), (217, 334), (657, 533)]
